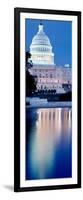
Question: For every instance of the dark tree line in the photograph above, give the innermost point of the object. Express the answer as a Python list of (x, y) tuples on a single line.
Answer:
[(30, 81)]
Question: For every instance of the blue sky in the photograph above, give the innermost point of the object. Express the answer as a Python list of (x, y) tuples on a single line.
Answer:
[(60, 35)]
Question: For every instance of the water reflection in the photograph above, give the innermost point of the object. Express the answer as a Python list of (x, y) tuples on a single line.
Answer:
[(48, 143)]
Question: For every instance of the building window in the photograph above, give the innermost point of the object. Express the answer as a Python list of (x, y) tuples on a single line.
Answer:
[(50, 75), (45, 87), (41, 87)]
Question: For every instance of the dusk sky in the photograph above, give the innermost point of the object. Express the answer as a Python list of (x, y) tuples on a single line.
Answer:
[(60, 35)]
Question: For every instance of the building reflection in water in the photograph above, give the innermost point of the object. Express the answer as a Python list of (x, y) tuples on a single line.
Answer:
[(48, 151)]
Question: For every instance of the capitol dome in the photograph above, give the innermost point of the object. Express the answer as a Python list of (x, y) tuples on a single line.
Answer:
[(41, 49)]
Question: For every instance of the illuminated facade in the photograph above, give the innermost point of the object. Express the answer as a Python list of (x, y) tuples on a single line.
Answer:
[(48, 75)]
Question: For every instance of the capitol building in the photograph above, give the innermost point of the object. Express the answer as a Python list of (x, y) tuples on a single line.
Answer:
[(49, 76)]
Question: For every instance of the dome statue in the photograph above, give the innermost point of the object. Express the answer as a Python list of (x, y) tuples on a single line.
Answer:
[(41, 49)]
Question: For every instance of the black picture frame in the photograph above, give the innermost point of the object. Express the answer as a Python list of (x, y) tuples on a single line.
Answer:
[(17, 12)]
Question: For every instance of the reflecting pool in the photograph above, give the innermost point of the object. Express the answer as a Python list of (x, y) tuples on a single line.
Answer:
[(48, 143)]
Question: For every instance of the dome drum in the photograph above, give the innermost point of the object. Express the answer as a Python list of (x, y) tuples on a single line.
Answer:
[(41, 49), (43, 58)]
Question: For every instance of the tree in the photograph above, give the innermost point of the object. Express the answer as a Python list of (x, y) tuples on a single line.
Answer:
[(30, 81), (30, 84)]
